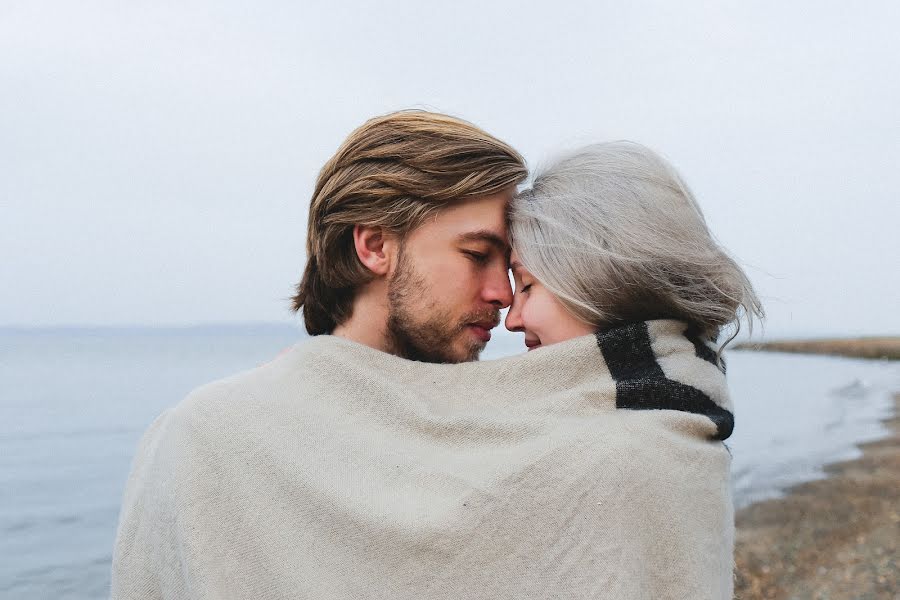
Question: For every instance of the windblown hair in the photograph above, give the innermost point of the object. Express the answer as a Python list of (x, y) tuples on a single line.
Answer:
[(617, 236), (394, 172)]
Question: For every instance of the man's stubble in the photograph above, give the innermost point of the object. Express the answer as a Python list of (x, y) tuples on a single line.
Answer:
[(418, 327)]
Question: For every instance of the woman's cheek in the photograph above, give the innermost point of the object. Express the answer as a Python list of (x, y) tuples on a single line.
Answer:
[(531, 315)]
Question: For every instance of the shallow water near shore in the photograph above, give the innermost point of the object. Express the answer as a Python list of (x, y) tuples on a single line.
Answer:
[(73, 404), (796, 413)]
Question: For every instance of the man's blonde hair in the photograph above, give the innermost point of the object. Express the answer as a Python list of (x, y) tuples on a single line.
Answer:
[(394, 172)]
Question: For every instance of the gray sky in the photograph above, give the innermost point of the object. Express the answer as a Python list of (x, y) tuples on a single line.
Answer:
[(156, 159)]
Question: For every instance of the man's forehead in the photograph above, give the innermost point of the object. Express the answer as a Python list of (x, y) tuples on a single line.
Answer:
[(476, 220)]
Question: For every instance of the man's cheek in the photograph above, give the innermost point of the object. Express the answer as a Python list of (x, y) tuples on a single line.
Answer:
[(459, 289)]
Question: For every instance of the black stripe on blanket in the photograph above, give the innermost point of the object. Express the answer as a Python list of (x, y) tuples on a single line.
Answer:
[(692, 333), (642, 385)]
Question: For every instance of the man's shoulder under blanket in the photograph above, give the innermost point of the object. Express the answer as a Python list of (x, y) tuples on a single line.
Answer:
[(271, 399)]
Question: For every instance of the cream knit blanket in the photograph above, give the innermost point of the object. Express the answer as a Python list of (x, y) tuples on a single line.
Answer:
[(587, 469)]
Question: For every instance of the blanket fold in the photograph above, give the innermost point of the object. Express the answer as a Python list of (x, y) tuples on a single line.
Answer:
[(593, 468)]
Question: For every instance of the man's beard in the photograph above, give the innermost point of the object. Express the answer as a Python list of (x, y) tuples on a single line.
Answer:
[(429, 340)]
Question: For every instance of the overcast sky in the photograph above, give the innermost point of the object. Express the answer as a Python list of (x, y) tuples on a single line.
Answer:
[(157, 158)]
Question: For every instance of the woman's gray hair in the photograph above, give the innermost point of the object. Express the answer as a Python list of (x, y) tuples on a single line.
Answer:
[(613, 231)]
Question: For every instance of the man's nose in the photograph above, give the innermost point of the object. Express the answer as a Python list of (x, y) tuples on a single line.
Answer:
[(514, 317), (497, 289)]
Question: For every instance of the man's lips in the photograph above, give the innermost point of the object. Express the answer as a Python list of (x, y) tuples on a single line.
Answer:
[(483, 329)]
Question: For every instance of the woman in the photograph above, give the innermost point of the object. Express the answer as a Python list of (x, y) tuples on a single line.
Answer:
[(610, 240)]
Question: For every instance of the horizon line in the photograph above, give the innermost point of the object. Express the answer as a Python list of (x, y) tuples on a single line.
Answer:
[(154, 326), (298, 327)]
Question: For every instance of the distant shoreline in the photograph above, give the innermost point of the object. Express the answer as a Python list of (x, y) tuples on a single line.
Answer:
[(887, 347)]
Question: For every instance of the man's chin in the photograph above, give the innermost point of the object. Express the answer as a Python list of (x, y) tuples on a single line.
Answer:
[(433, 342), (470, 348), (462, 348)]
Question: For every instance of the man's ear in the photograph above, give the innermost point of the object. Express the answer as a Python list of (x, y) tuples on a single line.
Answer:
[(374, 248)]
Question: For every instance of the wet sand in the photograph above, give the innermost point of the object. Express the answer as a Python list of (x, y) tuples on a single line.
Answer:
[(836, 538)]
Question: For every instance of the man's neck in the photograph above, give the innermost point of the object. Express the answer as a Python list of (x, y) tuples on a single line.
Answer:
[(368, 322)]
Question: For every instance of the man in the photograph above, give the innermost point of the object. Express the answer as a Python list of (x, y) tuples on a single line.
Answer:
[(237, 491), (407, 249)]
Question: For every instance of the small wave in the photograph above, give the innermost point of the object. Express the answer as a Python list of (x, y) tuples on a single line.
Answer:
[(858, 388), (72, 433), (29, 523), (79, 579), (18, 526)]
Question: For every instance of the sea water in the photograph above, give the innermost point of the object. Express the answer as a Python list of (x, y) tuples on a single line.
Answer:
[(74, 402)]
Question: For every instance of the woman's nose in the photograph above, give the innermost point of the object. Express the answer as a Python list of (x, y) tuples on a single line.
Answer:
[(514, 316)]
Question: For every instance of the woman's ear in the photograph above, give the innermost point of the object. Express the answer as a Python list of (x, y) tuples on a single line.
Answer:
[(374, 248)]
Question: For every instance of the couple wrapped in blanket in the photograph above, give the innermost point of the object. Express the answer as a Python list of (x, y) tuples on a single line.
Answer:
[(380, 459)]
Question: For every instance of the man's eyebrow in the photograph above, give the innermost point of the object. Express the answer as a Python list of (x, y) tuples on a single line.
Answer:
[(485, 235)]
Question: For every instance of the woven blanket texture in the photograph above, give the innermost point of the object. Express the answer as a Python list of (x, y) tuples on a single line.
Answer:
[(593, 468)]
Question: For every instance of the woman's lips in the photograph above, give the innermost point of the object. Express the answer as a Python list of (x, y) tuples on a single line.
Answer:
[(532, 344)]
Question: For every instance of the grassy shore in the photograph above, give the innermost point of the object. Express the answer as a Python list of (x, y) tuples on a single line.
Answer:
[(871, 347), (837, 538)]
